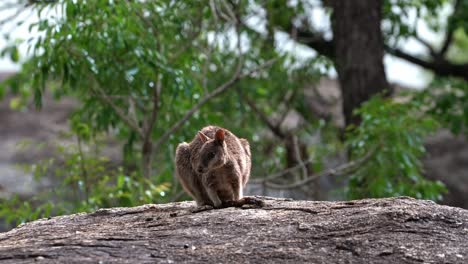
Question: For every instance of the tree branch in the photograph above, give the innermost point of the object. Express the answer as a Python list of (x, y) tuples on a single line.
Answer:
[(236, 76), (203, 101), (281, 173), (446, 44), (299, 160), (149, 123), (427, 45), (448, 36), (450, 29), (273, 127), (316, 41), (232, 15), (340, 170), (11, 5), (13, 16), (288, 97), (440, 66), (131, 108), (131, 123), (190, 40), (438, 63)]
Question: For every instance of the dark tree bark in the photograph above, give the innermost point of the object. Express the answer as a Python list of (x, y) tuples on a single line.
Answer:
[(392, 230), (359, 50), (436, 60)]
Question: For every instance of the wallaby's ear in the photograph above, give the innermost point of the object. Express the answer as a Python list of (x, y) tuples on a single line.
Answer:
[(202, 137), (219, 136)]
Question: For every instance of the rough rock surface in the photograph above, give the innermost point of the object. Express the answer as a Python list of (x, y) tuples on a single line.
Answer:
[(390, 230)]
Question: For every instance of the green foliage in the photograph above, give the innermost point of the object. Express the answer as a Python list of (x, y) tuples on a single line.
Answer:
[(393, 132), (459, 20), (82, 181), (447, 101), (121, 51), (457, 52), (16, 211), (399, 16), (12, 52), (117, 57)]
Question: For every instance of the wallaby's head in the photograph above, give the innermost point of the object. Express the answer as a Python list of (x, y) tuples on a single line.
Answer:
[(212, 154)]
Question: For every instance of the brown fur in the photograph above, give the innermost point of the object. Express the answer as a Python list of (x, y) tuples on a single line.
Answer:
[(214, 167)]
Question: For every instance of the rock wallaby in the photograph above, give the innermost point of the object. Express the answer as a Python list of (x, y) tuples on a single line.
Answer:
[(215, 167)]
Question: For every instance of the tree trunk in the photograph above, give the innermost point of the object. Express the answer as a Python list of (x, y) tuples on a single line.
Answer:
[(392, 230), (359, 50), (146, 158)]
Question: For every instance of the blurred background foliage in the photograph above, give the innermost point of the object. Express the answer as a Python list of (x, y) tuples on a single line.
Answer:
[(150, 74)]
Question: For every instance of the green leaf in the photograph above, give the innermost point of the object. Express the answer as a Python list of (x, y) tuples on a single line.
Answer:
[(14, 54)]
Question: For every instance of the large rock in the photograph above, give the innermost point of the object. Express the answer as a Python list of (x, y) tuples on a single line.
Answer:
[(393, 230)]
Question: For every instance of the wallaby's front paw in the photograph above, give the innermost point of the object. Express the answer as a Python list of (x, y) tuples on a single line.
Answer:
[(230, 204), (217, 203), (250, 200), (202, 208), (245, 202)]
